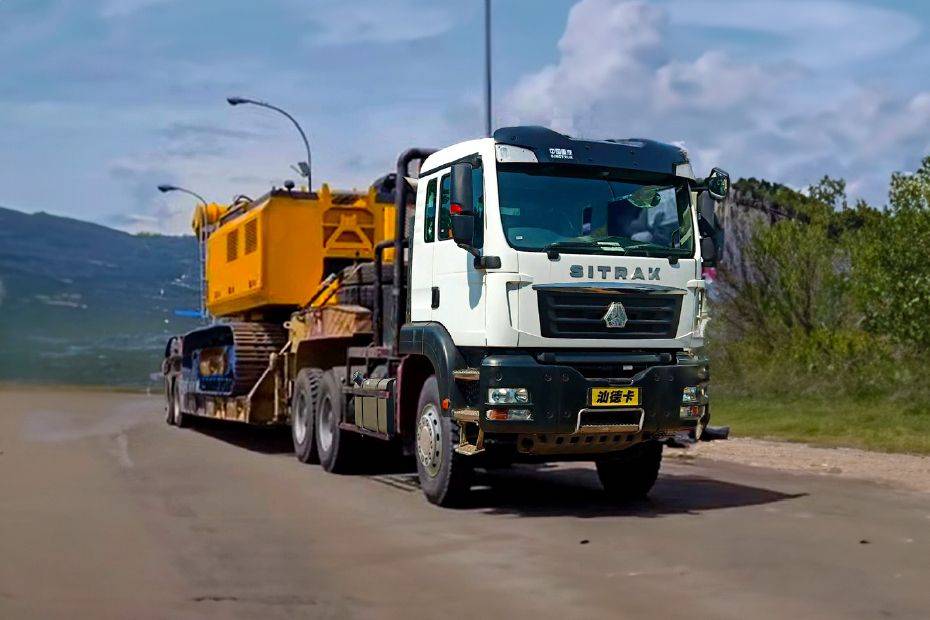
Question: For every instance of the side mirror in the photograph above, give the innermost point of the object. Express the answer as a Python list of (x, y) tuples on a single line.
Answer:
[(718, 184), (462, 207), (463, 229)]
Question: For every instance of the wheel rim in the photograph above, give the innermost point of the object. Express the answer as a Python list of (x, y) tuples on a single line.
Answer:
[(300, 419), (429, 440), (325, 424)]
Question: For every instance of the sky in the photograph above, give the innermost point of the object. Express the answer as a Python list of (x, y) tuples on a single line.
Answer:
[(102, 100)]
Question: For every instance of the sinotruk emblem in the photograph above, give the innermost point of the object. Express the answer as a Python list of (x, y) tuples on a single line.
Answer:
[(616, 316)]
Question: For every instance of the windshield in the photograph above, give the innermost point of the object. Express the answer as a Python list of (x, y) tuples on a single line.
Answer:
[(601, 212)]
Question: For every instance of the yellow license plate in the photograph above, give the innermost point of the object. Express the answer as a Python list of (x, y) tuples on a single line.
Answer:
[(615, 397)]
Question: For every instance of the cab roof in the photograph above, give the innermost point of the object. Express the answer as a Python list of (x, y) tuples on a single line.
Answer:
[(631, 153)]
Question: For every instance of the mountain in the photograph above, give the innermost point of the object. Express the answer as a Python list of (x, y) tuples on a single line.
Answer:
[(81, 303)]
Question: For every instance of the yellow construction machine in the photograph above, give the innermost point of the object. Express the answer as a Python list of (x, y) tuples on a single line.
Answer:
[(271, 265)]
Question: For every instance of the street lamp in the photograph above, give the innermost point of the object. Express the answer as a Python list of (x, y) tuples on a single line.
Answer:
[(487, 68), (304, 167), (174, 188), (201, 243)]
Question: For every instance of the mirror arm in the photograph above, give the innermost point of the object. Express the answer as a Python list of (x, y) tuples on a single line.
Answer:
[(471, 250)]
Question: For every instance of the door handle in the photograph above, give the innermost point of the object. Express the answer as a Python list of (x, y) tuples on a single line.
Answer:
[(435, 301)]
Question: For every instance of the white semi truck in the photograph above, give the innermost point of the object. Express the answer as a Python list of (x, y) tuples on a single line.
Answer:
[(550, 306)]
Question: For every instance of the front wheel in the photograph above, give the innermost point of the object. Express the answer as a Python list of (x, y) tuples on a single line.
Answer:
[(631, 474), (445, 477), (179, 418), (169, 401)]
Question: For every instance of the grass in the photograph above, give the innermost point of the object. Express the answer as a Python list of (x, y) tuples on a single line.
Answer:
[(886, 426)]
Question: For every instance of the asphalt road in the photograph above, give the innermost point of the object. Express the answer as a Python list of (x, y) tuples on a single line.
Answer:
[(107, 512)]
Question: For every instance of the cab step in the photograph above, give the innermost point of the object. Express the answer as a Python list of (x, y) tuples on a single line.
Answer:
[(465, 415), (468, 449), (466, 374)]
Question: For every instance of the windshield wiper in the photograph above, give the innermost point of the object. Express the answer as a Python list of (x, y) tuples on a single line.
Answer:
[(552, 250)]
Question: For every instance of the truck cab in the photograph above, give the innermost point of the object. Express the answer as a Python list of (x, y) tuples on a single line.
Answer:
[(555, 286)]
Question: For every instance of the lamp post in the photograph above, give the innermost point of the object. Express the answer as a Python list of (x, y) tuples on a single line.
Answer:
[(201, 243), (304, 170), (487, 67)]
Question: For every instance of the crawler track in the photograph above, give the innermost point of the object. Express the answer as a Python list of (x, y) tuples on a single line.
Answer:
[(254, 342)]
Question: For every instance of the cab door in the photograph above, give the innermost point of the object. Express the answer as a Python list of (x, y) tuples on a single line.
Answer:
[(458, 295), (423, 238)]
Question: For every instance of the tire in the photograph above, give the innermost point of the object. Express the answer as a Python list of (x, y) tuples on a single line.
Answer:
[(181, 419), (303, 414), (366, 274), (336, 447), (169, 401), (366, 296), (445, 476), (631, 474), (348, 295)]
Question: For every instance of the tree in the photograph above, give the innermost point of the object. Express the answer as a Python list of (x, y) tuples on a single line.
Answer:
[(890, 264)]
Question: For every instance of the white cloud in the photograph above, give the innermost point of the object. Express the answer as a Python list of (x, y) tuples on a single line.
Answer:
[(378, 21), (818, 32), (618, 75)]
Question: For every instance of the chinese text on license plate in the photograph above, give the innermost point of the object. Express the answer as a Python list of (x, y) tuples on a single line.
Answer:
[(615, 397)]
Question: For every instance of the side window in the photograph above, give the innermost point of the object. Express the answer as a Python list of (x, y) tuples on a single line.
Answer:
[(445, 203), (429, 213), (477, 188)]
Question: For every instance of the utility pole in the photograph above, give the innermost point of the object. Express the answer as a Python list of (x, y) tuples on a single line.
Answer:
[(487, 68)]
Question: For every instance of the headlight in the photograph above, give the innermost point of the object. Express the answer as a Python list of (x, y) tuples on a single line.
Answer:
[(508, 396), (692, 395)]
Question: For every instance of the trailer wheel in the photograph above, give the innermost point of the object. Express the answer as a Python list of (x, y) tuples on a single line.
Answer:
[(445, 476), (181, 419), (334, 445), (303, 414), (631, 474)]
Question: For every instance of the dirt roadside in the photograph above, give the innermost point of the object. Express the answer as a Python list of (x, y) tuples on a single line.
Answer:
[(904, 471)]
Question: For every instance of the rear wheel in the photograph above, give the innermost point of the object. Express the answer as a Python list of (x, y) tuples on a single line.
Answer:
[(335, 446), (445, 476), (303, 414), (631, 474)]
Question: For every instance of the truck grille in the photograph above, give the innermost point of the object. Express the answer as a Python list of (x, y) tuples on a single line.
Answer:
[(581, 315)]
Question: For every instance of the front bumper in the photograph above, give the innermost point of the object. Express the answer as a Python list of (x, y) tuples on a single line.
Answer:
[(560, 396)]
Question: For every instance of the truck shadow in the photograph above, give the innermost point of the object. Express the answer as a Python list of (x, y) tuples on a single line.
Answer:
[(546, 491), (272, 440)]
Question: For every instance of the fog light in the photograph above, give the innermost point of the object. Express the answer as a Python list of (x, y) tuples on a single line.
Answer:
[(508, 396), (691, 411), (510, 415)]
